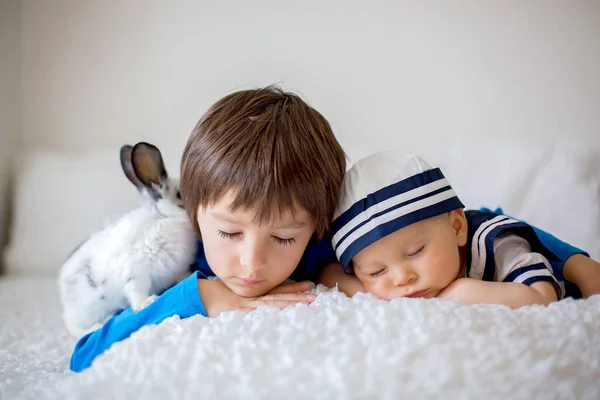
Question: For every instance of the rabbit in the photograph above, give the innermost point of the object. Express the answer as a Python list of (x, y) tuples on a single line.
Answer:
[(131, 261)]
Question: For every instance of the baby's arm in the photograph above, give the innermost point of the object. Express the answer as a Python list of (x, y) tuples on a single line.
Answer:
[(514, 295), (575, 264), (584, 272), (333, 275), (521, 278)]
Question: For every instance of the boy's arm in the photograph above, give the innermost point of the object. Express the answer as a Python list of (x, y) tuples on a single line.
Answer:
[(192, 296), (514, 295), (333, 275), (182, 300)]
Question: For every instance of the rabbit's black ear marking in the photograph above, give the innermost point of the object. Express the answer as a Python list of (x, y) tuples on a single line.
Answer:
[(149, 168), (87, 267), (125, 155)]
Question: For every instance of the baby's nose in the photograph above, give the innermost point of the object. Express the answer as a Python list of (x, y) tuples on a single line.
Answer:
[(402, 277)]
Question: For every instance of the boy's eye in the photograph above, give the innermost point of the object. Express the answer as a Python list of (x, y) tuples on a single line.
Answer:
[(178, 195), (414, 253), (228, 235), (285, 242), (378, 273)]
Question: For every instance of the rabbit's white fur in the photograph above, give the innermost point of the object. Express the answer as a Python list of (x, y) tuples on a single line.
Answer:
[(128, 263)]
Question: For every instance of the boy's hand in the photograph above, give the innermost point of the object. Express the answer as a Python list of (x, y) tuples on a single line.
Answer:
[(217, 297), (333, 275), (282, 296)]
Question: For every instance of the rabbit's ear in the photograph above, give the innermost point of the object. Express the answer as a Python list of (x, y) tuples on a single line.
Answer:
[(127, 166), (149, 168)]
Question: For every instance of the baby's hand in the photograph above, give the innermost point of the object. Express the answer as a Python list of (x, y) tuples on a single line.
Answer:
[(585, 273), (455, 291), (514, 295)]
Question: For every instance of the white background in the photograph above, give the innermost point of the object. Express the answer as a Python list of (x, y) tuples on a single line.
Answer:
[(79, 75)]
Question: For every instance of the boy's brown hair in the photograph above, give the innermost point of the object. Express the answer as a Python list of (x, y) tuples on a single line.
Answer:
[(269, 146)]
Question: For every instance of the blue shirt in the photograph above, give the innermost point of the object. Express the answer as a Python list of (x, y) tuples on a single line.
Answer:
[(183, 300)]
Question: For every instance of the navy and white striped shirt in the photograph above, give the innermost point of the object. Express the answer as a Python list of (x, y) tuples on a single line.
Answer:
[(503, 249)]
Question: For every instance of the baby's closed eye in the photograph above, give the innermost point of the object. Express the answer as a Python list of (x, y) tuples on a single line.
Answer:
[(415, 251), (378, 272)]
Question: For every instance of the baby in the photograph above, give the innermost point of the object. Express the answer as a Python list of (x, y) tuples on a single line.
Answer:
[(401, 229)]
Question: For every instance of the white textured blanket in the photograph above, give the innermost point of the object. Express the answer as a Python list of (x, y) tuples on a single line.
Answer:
[(340, 348)]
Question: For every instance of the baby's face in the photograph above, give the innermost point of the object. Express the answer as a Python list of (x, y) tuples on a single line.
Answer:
[(419, 260)]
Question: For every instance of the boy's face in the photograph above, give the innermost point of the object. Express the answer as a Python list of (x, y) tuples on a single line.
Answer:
[(252, 259), (419, 260)]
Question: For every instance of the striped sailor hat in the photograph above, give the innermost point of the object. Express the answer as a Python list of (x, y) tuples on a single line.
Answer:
[(385, 192)]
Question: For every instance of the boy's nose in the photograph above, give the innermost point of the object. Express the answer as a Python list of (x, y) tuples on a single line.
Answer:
[(254, 258)]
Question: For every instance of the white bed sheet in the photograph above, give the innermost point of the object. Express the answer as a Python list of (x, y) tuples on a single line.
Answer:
[(34, 346), (336, 348)]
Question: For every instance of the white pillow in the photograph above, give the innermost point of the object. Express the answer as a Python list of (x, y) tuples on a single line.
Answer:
[(564, 196), (59, 200), (554, 186)]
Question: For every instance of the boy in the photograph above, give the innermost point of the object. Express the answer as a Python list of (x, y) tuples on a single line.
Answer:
[(260, 179), (401, 229)]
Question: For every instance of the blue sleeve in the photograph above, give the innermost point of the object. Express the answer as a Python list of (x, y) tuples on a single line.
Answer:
[(182, 299), (563, 250)]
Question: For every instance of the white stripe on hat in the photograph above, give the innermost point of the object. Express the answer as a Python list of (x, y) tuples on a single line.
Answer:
[(386, 217), (389, 203)]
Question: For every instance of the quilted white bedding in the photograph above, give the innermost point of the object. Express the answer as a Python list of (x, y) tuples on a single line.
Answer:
[(34, 346), (336, 348)]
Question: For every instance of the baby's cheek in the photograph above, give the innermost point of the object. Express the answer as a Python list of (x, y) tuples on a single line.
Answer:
[(367, 285), (377, 288), (439, 264)]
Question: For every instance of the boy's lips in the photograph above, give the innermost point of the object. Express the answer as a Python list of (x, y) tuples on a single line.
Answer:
[(420, 293), (250, 282)]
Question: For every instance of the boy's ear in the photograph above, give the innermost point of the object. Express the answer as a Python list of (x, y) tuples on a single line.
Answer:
[(458, 220)]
